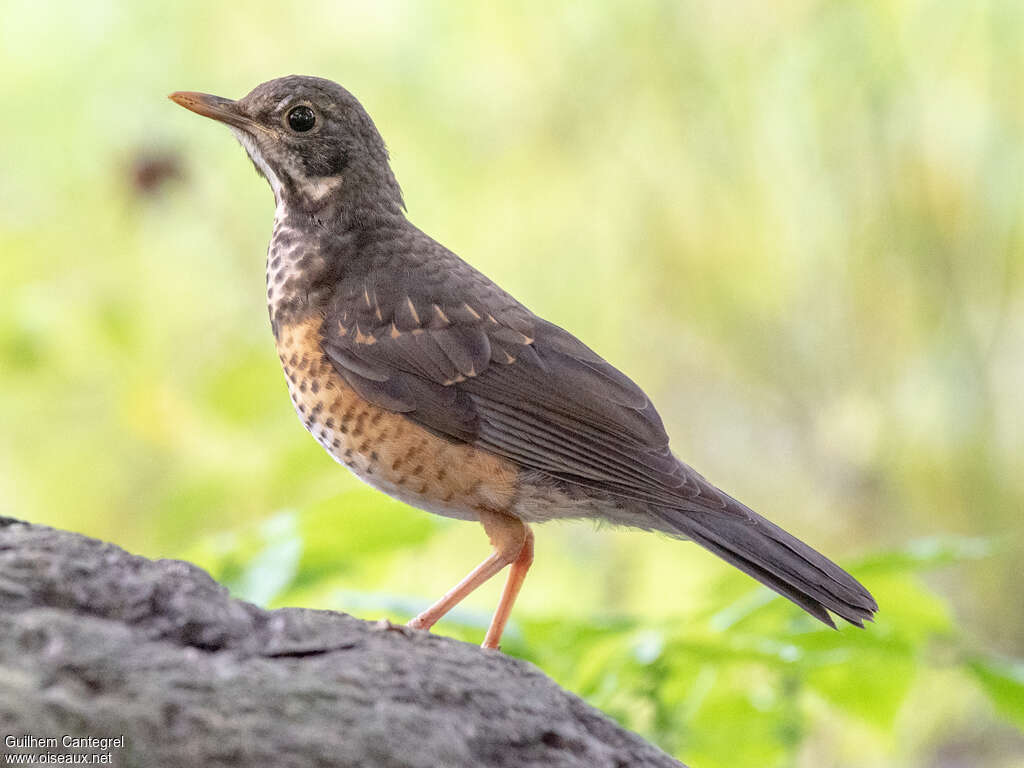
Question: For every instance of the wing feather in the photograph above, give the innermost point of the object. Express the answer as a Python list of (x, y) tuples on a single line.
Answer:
[(532, 393), (441, 343)]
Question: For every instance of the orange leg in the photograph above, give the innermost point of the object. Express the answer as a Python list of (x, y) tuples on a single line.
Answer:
[(514, 582), (513, 543)]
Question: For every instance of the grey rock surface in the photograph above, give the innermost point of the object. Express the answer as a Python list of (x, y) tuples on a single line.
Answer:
[(98, 643)]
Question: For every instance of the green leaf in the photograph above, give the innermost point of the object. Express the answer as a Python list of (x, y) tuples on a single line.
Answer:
[(1003, 681), (267, 561), (869, 686), (355, 526), (274, 567)]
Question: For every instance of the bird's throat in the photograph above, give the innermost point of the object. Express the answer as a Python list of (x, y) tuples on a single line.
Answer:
[(298, 262), (262, 166)]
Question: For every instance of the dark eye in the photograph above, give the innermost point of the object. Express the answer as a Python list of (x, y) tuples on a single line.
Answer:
[(301, 119)]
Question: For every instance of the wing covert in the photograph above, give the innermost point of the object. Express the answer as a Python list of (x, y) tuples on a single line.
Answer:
[(459, 356)]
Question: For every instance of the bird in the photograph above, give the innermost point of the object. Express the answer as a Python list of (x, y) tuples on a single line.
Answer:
[(434, 385)]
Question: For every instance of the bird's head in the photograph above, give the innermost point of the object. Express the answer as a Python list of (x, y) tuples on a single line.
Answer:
[(312, 140)]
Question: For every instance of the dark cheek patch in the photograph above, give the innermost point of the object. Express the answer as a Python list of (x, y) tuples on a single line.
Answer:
[(324, 159), (338, 161)]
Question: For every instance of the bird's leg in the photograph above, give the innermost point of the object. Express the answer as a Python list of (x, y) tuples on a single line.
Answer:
[(511, 539), (514, 582)]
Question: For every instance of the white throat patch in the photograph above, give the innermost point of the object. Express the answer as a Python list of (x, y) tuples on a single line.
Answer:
[(253, 151), (319, 188)]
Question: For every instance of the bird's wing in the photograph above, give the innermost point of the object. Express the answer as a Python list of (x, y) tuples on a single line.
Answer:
[(453, 352)]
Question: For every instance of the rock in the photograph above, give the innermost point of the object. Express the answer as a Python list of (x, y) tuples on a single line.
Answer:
[(96, 643)]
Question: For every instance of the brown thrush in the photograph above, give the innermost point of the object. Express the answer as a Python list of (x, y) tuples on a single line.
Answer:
[(434, 385)]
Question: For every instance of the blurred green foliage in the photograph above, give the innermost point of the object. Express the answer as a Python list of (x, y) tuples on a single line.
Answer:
[(796, 224)]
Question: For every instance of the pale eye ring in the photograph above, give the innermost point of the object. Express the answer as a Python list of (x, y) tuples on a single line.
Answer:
[(301, 119)]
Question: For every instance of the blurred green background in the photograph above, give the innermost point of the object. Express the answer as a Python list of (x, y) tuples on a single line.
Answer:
[(797, 224)]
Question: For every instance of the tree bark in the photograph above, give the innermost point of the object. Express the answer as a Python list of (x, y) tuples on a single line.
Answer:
[(98, 643)]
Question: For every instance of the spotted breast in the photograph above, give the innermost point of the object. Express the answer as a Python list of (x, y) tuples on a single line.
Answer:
[(384, 449)]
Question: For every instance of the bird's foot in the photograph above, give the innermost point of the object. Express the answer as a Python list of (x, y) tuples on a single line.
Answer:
[(420, 622)]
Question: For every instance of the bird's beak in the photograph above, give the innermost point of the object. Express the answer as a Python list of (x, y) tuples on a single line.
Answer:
[(207, 105)]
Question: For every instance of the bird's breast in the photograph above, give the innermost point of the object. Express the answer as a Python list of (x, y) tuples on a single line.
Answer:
[(386, 449), (297, 264)]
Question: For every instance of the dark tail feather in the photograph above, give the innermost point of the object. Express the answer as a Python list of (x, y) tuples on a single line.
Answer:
[(777, 559)]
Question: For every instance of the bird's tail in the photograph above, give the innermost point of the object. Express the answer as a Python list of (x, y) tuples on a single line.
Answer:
[(777, 559)]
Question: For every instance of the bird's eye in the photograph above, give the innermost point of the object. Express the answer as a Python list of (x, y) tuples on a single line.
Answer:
[(301, 119)]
